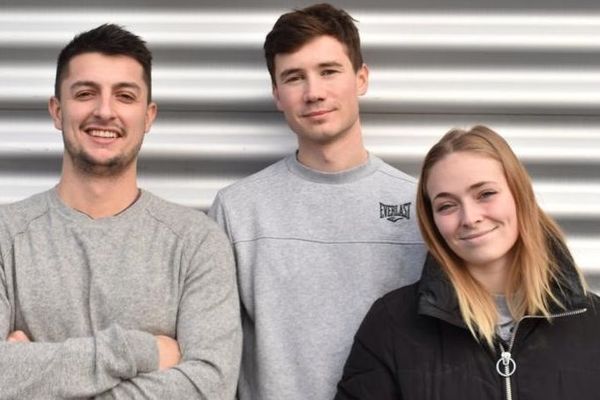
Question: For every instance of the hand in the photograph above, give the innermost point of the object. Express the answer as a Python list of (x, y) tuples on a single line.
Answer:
[(18, 337), (168, 352)]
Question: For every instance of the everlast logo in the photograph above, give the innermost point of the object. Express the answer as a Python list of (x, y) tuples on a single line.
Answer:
[(394, 212)]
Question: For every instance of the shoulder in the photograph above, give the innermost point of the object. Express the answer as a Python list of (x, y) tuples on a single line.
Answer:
[(581, 328), (259, 188), (395, 174), (401, 303), (256, 181), (192, 238), (16, 217), (395, 309), (182, 221)]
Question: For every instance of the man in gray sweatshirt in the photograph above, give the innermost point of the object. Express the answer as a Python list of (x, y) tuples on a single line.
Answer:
[(319, 235), (107, 291)]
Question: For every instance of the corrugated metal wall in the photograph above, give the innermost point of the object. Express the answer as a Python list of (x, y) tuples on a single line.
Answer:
[(529, 71)]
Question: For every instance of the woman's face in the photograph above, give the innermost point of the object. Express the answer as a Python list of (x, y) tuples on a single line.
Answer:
[(473, 209)]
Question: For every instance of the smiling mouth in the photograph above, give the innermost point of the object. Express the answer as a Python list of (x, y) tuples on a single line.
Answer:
[(316, 113), (478, 234), (103, 133)]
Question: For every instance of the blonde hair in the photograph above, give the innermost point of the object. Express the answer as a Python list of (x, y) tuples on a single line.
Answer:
[(533, 268)]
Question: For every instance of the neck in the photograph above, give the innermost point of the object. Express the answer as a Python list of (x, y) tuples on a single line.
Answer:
[(98, 197), (492, 277), (335, 156)]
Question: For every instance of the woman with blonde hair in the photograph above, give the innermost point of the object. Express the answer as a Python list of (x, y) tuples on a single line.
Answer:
[(501, 311)]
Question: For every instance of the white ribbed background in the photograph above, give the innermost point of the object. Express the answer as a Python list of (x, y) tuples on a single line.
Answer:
[(530, 73)]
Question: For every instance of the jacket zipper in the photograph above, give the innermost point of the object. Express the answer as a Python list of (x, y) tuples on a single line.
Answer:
[(506, 365)]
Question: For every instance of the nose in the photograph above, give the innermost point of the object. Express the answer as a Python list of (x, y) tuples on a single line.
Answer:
[(471, 214), (314, 90), (104, 109)]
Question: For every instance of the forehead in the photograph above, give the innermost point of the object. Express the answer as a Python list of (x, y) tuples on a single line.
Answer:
[(457, 172), (103, 69), (321, 49)]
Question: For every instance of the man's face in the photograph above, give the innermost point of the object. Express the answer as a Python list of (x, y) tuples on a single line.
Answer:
[(103, 113), (317, 90)]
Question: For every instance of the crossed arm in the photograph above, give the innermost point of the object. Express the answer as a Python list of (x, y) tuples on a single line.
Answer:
[(169, 354), (76, 368), (118, 363)]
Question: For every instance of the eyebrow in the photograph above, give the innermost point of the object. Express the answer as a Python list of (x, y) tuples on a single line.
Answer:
[(291, 71), (330, 64), (120, 85), (474, 186)]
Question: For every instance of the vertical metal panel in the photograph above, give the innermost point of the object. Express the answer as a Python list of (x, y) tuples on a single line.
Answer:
[(529, 71)]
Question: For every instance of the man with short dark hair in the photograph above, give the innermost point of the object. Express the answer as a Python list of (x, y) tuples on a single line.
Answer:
[(106, 290), (319, 235)]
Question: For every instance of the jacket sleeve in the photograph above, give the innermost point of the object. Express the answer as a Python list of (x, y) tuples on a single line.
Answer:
[(369, 370), (208, 333), (75, 368)]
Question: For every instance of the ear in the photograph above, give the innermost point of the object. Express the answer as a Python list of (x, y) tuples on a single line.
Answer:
[(362, 80), (276, 99), (54, 110), (151, 112)]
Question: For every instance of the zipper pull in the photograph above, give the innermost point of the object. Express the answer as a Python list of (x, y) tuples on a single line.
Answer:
[(506, 366)]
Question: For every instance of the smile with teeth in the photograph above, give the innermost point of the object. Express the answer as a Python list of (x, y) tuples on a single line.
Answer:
[(103, 133)]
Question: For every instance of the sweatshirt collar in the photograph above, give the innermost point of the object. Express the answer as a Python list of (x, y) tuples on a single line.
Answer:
[(346, 176), (133, 211)]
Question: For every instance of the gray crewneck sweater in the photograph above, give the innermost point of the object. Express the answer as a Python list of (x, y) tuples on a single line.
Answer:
[(91, 295), (313, 251)]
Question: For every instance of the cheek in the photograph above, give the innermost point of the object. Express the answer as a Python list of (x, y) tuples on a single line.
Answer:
[(444, 225), (286, 99), (353, 105), (133, 116), (76, 114), (349, 92)]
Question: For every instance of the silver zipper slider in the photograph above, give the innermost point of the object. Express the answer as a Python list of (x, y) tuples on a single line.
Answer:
[(506, 366)]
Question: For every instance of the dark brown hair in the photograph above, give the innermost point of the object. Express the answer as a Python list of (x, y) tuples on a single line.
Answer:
[(106, 39), (294, 29)]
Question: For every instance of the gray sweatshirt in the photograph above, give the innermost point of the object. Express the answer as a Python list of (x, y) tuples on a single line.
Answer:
[(91, 295), (313, 251)]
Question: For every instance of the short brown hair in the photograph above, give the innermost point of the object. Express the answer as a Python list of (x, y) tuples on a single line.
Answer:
[(294, 29), (108, 39)]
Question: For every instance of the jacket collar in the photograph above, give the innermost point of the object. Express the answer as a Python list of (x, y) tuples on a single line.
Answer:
[(437, 297), (568, 289)]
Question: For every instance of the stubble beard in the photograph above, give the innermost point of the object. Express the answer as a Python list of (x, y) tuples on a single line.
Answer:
[(87, 165)]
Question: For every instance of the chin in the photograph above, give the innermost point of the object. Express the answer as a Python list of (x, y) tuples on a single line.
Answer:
[(103, 167), (484, 260)]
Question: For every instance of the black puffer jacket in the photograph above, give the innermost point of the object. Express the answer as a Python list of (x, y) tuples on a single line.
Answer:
[(413, 345)]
